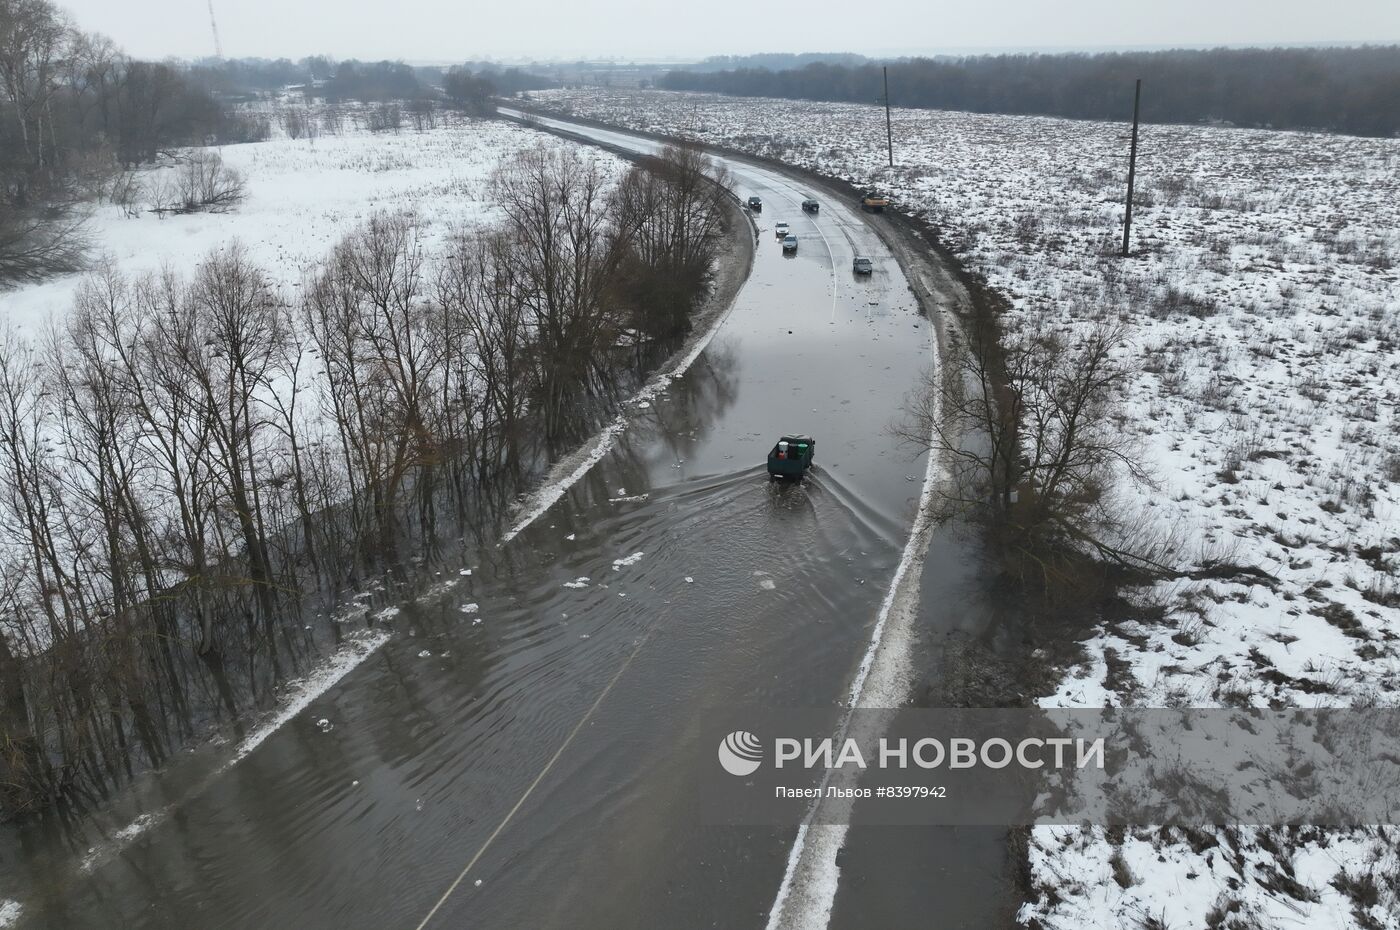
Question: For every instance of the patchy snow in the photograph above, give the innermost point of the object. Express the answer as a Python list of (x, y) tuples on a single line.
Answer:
[(9, 913), (1261, 300), (121, 838), (1242, 877)]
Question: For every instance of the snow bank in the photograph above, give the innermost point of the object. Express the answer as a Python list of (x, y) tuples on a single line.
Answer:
[(299, 694)]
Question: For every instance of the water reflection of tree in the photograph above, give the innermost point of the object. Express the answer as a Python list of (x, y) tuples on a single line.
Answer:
[(701, 396)]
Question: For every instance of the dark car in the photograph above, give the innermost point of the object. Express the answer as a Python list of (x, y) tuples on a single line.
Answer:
[(755, 203), (810, 206), (862, 266)]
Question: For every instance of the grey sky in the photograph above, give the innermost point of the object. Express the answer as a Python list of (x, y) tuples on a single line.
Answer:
[(462, 29)]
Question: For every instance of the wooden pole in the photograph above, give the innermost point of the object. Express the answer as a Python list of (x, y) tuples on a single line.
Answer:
[(1132, 169), (889, 132)]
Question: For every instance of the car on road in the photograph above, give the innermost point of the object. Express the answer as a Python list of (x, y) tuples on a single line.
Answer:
[(874, 201), (790, 244), (755, 204), (862, 266), (810, 206), (781, 230)]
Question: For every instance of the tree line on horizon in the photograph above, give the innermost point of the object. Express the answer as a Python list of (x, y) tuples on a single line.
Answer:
[(1348, 90), (350, 79)]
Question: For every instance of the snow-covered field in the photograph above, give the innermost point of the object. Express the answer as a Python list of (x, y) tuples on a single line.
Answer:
[(303, 196), (1263, 301)]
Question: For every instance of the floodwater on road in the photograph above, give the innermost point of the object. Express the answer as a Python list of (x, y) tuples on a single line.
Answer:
[(526, 739)]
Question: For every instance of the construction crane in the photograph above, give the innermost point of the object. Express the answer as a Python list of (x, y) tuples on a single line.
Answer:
[(214, 25)]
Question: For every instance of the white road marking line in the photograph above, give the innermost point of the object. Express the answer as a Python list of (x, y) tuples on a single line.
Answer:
[(534, 784)]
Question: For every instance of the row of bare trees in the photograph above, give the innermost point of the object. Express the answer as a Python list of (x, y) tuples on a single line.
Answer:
[(183, 456), (73, 109)]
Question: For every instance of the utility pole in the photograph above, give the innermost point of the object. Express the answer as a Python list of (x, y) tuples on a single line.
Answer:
[(1132, 169), (889, 132)]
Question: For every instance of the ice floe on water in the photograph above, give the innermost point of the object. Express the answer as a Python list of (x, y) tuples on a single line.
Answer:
[(120, 839), (299, 695), (633, 559)]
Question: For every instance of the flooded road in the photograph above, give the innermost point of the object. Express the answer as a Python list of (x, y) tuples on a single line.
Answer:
[(522, 751)]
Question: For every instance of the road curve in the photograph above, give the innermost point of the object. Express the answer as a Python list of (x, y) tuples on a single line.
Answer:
[(522, 752)]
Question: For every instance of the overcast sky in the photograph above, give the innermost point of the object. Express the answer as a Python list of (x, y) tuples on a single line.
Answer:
[(452, 30)]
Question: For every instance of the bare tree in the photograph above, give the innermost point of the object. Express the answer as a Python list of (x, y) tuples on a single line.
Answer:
[(670, 213), (1027, 425), (241, 330), (556, 210), (206, 183), (36, 242), (482, 307)]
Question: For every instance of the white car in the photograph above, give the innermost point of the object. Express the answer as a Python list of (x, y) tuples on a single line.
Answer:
[(781, 230)]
